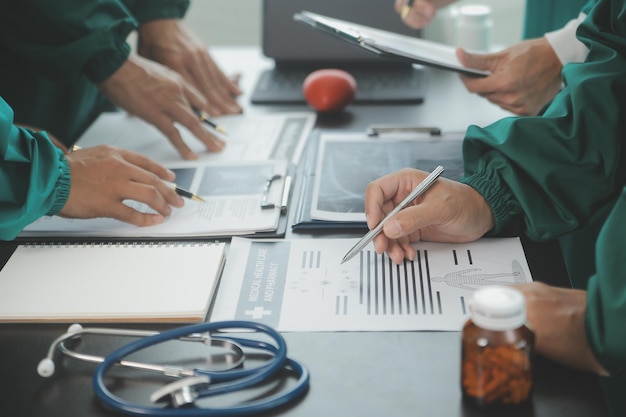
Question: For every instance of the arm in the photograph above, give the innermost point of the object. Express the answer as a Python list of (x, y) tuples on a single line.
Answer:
[(541, 176), (163, 39), (606, 306), (548, 175), (37, 179)]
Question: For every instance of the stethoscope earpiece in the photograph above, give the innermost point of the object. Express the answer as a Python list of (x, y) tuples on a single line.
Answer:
[(45, 368)]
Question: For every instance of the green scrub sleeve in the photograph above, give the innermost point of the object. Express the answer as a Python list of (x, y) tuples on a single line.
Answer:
[(148, 10), (606, 306), (548, 175), (64, 39), (34, 176)]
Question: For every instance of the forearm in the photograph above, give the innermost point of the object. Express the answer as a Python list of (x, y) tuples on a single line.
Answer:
[(34, 176)]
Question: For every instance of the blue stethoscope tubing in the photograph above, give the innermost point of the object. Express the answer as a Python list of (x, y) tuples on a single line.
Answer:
[(229, 381)]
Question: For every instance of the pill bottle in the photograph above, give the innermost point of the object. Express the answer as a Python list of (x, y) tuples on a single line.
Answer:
[(475, 27), (497, 350)]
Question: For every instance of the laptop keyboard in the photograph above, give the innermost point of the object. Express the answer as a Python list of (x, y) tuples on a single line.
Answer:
[(374, 85)]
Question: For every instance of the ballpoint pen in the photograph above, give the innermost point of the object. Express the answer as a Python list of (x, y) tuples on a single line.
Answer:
[(407, 8), (204, 118), (187, 194), (179, 191), (417, 191)]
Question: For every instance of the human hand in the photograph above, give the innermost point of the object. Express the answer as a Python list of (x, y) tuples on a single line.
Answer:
[(448, 212), (557, 316), (422, 12), (169, 43), (103, 177), (161, 97), (524, 77)]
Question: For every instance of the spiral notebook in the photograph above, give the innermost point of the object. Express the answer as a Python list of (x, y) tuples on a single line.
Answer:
[(105, 282)]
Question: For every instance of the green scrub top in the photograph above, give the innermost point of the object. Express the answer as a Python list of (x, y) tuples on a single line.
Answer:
[(606, 307), (560, 174), (55, 52), (547, 15)]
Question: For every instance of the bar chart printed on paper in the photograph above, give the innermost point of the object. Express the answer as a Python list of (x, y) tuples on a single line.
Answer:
[(300, 285)]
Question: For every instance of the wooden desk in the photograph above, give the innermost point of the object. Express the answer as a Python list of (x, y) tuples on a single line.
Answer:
[(352, 374)]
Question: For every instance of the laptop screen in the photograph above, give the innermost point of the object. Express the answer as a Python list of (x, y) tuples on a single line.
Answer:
[(291, 42)]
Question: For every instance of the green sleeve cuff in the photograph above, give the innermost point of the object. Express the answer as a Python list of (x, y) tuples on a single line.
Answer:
[(62, 186), (498, 196), (103, 65)]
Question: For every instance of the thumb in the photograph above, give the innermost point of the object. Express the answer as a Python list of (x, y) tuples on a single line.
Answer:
[(475, 61)]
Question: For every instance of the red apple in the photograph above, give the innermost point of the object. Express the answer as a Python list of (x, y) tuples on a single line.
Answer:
[(328, 90)]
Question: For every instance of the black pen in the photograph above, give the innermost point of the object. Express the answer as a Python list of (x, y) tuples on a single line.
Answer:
[(407, 8), (187, 194), (204, 118)]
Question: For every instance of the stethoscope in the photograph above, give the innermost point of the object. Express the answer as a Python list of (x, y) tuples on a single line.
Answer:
[(192, 384)]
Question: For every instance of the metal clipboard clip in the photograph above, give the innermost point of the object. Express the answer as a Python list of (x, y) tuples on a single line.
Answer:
[(376, 130), (265, 204)]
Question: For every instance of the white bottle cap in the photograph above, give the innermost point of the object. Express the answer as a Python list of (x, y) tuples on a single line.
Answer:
[(498, 308)]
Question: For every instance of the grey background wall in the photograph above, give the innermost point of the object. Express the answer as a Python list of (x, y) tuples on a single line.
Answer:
[(227, 22)]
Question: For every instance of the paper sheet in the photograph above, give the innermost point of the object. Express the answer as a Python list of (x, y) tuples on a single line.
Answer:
[(250, 137), (233, 193), (300, 285)]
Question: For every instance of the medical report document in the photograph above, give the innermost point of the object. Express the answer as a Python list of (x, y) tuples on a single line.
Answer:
[(300, 284)]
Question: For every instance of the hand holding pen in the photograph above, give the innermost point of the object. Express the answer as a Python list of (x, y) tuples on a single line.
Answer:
[(180, 191), (448, 212), (419, 13), (420, 189), (103, 177)]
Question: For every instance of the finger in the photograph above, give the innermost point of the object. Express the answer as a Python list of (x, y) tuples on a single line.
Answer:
[(419, 15), (220, 86), (166, 126), (127, 214), (153, 196), (186, 117), (148, 164), (149, 183)]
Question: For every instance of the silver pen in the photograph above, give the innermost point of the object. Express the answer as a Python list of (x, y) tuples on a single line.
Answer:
[(417, 191)]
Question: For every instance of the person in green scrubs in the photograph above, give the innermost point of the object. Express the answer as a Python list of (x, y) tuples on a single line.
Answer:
[(558, 175), (64, 62), (527, 75), (38, 179)]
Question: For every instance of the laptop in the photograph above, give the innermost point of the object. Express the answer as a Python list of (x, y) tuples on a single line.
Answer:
[(298, 50)]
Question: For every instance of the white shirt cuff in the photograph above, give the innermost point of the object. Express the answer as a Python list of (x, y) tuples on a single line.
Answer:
[(565, 43)]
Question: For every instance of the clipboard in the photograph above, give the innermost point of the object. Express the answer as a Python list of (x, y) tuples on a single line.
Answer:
[(389, 44), (330, 160)]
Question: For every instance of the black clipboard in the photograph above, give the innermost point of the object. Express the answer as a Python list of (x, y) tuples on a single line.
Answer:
[(419, 150), (389, 44)]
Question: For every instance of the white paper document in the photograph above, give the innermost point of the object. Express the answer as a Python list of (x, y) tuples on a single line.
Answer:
[(250, 137), (300, 285), (235, 194)]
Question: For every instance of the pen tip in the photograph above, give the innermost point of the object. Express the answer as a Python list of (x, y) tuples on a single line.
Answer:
[(221, 130)]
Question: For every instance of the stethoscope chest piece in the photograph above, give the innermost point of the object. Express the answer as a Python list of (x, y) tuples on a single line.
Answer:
[(182, 392)]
